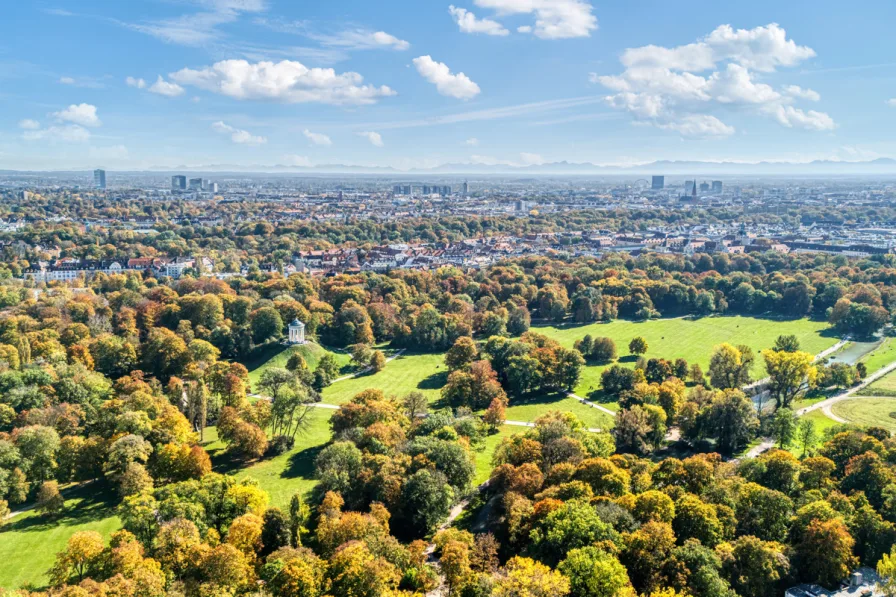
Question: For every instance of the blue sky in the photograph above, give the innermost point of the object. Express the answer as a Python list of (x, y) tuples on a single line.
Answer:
[(417, 83)]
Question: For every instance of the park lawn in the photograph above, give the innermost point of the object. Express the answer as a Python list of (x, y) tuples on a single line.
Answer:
[(30, 541), (690, 339), (529, 410), (285, 475), (822, 422), (881, 356), (885, 386), (276, 354), (484, 457), (868, 412), (407, 373)]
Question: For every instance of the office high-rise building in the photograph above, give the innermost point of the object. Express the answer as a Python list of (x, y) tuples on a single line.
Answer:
[(99, 179), (717, 186), (466, 188), (195, 184), (212, 187), (704, 187), (658, 183), (178, 183)]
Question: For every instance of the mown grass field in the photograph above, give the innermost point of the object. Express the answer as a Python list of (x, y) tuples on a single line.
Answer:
[(690, 339), (276, 355), (284, 475), (408, 373), (877, 412), (29, 542), (530, 410)]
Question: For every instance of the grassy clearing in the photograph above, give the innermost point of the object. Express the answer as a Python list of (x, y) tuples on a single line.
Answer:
[(284, 475), (484, 458), (29, 542), (408, 373), (822, 422), (276, 355), (533, 408), (881, 356), (877, 412), (690, 339)]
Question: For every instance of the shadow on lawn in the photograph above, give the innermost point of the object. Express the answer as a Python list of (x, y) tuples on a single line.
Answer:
[(96, 501), (301, 464), (436, 381)]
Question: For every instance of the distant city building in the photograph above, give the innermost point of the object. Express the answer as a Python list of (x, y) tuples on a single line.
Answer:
[(436, 190), (178, 183), (466, 188), (401, 189), (704, 187), (659, 183), (717, 186), (212, 187), (689, 186), (195, 184), (99, 179)]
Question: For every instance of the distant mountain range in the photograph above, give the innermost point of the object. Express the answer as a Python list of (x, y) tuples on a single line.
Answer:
[(663, 167), (880, 166)]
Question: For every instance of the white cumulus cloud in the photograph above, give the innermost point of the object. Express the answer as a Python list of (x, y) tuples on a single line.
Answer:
[(472, 142), (287, 81), (81, 114), (469, 23), (317, 138), (138, 83), (166, 88), (375, 138), (699, 126), (683, 88), (238, 135), (449, 84), (892, 102), (811, 120), (797, 92), (554, 19), (29, 124)]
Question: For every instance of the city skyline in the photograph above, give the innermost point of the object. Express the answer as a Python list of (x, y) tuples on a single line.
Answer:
[(490, 83)]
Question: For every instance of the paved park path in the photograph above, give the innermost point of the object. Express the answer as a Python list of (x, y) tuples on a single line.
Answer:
[(825, 405), (456, 511)]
